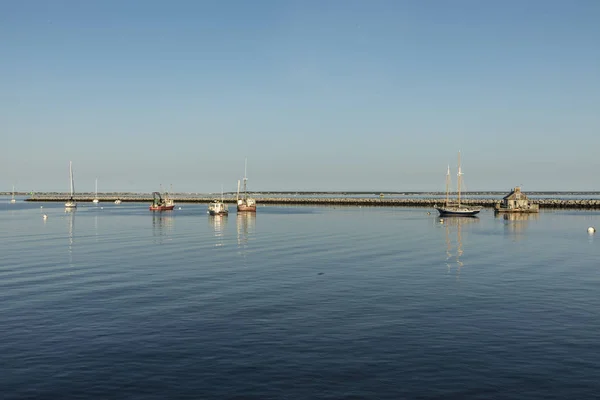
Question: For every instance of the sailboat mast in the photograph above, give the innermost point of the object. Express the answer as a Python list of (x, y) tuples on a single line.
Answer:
[(459, 178), (245, 176), (96, 187), (237, 197), (448, 186), (71, 176)]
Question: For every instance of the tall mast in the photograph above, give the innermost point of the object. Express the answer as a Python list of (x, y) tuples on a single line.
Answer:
[(245, 178), (96, 187), (237, 197), (71, 176), (459, 178), (448, 185)]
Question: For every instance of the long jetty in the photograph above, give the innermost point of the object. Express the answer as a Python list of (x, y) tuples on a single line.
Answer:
[(326, 201)]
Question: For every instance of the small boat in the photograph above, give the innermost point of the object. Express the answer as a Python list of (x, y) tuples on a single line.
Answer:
[(71, 203), (161, 204), (96, 200), (118, 201), (245, 203), (13, 200), (218, 207), (455, 208)]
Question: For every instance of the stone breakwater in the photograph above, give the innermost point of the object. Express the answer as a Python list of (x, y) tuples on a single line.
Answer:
[(333, 201)]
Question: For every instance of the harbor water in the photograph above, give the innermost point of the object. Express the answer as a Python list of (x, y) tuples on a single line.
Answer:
[(297, 302)]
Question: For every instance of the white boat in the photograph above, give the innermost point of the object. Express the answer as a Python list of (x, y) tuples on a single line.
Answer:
[(96, 200), (454, 207), (13, 200), (218, 207), (118, 201), (245, 203), (71, 203)]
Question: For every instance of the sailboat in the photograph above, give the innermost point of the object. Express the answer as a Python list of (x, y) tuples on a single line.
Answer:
[(71, 203), (13, 200), (96, 200), (245, 203), (455, 208), (218, 207)]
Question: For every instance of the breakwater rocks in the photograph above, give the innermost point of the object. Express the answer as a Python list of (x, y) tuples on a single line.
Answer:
[(333, 201)]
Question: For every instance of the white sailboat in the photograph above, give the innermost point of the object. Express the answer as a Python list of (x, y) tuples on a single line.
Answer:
[(13, 200), (96, 200), (71, 203), (455, 208)]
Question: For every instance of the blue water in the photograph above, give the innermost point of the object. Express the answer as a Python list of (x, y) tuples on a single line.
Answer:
[(296, 303)]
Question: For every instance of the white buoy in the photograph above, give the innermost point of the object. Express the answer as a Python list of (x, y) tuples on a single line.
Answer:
[(591, 229), (179, 208), (102, 208), (41, 206), (45, 217)]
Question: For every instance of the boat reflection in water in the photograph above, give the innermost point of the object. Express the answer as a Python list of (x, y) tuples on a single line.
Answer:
[(70, 213), (515, 224), (162, 224), (219, 225), (245, 222), (453, 227)]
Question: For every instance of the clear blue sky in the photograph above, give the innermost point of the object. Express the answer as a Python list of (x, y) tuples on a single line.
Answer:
[(319, 95)]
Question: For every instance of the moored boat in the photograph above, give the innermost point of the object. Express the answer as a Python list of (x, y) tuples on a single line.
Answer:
[(71, 203), (218, 207), (96, 200), (161, 204), (245, 203), (454, 207)]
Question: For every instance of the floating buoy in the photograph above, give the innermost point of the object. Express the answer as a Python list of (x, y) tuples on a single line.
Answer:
[(428, 213), (591, 229), (45, 217), (179, 208), (102, 208)]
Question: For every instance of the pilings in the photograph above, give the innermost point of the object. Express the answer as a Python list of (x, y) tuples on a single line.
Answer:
[(333, 201)]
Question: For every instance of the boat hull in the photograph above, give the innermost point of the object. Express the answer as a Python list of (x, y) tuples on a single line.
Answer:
[(211, 212), (244, 207), (459, 212), (161, 208)]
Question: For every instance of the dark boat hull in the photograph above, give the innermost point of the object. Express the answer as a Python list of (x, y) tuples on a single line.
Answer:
[(246, 208), (444, 212)]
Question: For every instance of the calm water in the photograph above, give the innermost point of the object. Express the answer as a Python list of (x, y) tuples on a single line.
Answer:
[(296, 303)]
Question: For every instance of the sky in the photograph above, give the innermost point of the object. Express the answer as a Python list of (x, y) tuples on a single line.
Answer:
[(337, 95)]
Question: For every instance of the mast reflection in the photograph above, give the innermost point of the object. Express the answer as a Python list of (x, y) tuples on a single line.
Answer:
[(70, 212), (453, 227), (245, 222), (162, 224)]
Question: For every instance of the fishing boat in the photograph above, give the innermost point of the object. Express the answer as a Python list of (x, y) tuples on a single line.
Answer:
[(454, 207), (161, 203), (96, 200), (218, 207), (245, 203), (13, 200), (71, 203)]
